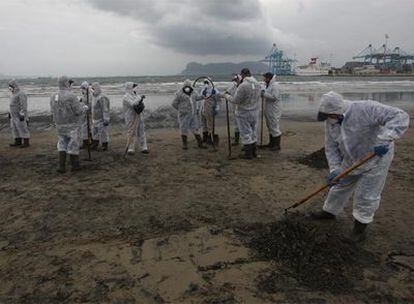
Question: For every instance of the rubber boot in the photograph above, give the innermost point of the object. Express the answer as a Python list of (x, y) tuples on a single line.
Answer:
[(269, 145), (236, 139), (322, 215), (359, 232), (85, 144), (216, 140), (17, 142), (74, 162), (146, 151), (209, 139), (62, 162), (248, 152), (94, 145), (26, 143), (184, 140), (199, 141), (254, 150), (276, 143), (104, 146), (205, 137)]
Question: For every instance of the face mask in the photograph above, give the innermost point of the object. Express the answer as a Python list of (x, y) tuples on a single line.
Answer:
[(187, 90), (11, 89)]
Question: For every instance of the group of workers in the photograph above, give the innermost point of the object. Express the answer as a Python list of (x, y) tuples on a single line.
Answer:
[(352, 130), (197, 111)]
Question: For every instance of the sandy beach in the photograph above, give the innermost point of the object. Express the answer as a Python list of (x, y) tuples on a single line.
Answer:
[(180, 226)]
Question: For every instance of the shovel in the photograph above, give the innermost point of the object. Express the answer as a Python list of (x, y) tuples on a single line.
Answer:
[(336, 179)]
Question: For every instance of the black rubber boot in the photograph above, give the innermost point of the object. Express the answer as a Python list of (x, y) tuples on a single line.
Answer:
[(254, 150), (199, 141), (205, 137), (146, 151), (26, 143), (216, 140), (209, 139), (94, 145), (184, 140), (248, 152), (276, 143), (359, 232), (17, 142), (62, 162), (104, 146), (322, 215), (269, 145), (85, 144), (74, 162), (236, 139)]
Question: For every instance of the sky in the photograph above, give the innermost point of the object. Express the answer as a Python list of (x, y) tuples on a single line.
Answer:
[(159, 37)]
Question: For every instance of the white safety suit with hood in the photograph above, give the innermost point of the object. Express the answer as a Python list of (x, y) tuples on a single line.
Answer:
[(18, 112), (186, 106), (134, 122), (67, 112), (247, 104), (272, 107), (85, 99), (365, 125), (100, 114)]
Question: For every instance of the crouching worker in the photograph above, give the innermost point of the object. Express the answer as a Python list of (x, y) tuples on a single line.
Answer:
[(100, 118), (133, 107), (184, 103), (352, 130), (19, 120), (67, 112)]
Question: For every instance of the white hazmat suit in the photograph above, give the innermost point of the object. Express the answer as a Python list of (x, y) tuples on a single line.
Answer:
[(134, 122), (18, 112), (100, 115), (272, 108), (85, 99), (365, 125), (67, 112)]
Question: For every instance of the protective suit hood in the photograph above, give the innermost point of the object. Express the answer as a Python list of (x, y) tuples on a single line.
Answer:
[(96, 87), (187, 83), (84, 85), (129, 87), (332, 103), (13, 83), (63, 82)]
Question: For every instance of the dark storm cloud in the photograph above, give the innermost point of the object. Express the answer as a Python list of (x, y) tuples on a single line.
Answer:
[(198, 27)]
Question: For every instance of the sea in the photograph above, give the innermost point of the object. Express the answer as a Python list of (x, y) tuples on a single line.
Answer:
[(300, 95)]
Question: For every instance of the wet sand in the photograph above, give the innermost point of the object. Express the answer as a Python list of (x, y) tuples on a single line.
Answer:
[(176, 226)]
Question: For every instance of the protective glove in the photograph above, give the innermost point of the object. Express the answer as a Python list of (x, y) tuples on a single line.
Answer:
[(85, 107), (21, 117), (106, 123), (331, 176), (262, 93), (205, 93), (213, 92), (381, 150)]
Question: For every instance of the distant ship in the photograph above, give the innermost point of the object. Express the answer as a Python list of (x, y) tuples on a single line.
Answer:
[(313, 68)]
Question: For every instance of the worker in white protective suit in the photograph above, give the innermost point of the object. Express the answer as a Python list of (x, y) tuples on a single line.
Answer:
[(272, 110), (85, 99), (188, 119), (19, 119), (209, 110), (236, 80), (247, 103), (100, 118), (133, 108), (352, 130), (67, 112)]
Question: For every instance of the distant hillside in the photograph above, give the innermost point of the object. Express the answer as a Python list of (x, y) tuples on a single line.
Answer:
[(194, 68)]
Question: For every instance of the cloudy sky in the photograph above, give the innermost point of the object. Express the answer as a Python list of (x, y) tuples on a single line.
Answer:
[(158, 37)]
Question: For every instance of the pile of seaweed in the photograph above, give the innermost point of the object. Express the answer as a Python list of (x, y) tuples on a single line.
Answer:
[(313, 255), (316, 160)]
